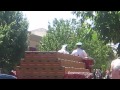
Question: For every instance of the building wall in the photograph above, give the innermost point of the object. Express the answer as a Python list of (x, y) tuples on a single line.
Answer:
[(35, 36), (33, 43)]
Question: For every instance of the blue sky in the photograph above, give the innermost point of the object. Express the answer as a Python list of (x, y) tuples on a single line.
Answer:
[(40, 19)]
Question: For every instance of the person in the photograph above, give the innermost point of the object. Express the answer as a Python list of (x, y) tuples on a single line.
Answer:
[(63, 49), (98, 74), (101, 73), (107, 76), (94, 71), (89, 62), (115, 69), (79, 52), (13, 72)]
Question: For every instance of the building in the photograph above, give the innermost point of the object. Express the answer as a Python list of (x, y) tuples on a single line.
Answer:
[(34, 37)]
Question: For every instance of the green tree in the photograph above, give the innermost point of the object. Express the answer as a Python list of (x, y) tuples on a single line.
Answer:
[(58, 34), (107, 23), (13, 37)]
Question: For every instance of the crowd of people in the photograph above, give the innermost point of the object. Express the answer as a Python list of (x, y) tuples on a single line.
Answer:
[(99, 74)]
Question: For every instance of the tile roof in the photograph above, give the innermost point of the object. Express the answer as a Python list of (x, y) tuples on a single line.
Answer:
[(39, 32)]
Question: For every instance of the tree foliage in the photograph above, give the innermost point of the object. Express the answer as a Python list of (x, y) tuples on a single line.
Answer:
[(13, 36), (70, 32), (58, 34), (107, 23)]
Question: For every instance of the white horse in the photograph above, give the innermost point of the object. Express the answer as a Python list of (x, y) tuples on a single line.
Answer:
[(115, 68)]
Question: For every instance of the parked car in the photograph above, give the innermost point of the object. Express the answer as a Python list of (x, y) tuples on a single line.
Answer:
[(6, 76)]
